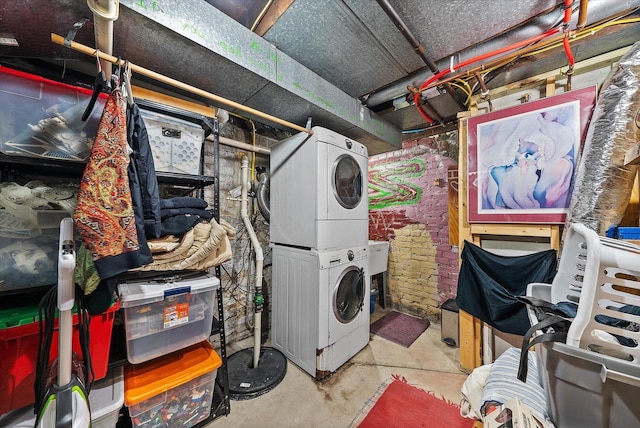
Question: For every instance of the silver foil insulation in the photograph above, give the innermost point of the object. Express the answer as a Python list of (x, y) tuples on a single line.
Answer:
[(603, 183)]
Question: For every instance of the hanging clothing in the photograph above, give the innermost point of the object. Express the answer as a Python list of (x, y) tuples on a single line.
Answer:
[(487, 283), (104, 215), (144, 182)]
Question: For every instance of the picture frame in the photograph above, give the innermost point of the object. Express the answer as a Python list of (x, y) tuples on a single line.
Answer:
[(522, 160)]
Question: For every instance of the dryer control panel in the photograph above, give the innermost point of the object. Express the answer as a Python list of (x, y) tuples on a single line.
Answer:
[(331, 258), (356, 147)]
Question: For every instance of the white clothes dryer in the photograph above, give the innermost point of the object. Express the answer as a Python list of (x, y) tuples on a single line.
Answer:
[(318, 191), (320, 306)]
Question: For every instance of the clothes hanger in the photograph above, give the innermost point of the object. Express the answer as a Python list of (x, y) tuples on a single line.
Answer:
[(101, 83), (126, 80), (116, 77)]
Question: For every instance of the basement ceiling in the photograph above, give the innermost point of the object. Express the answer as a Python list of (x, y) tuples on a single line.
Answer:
[(345, 64)]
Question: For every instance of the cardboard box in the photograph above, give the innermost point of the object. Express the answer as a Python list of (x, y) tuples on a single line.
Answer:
[(515, 414)]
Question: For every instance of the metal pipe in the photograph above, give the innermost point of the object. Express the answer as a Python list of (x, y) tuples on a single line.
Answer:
[(484, 92), (416, 45), (261, 15), (434, 80), (240, 145), (582, 14), (257, 314), (599, 11), (104, 13), (58, 39)]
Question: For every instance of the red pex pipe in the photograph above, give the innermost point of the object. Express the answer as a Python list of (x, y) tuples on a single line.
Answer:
[(565, 42), (567, 11), (534, 39), (567, 49)]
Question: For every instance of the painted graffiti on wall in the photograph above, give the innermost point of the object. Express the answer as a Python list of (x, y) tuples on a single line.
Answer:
[(389, 183)]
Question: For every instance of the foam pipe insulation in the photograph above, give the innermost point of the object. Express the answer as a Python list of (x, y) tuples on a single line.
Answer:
[(603, 183)]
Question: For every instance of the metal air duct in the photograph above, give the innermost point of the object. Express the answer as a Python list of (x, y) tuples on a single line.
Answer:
[(603, 183)]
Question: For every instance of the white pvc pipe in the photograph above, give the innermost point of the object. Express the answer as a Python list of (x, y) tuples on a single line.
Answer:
[(257, 316), (104, 13)]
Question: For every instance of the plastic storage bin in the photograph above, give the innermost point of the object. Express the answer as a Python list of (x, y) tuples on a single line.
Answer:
[(172, 391), (42, 118), (602, 275), (105, 400), (584, 388), (176, 144), (30, 218), (163, 315), (19, 342)]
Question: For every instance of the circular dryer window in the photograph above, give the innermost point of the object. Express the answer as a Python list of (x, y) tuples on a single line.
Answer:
[(347, 181), (348, 298)]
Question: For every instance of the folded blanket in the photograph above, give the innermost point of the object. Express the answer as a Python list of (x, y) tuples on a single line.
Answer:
[(205, 246), (170, 212)]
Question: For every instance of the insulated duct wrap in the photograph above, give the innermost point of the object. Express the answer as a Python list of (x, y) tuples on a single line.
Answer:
[(603, 183)]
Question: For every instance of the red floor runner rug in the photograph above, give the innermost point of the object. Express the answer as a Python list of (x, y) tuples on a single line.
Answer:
[(398, 404)]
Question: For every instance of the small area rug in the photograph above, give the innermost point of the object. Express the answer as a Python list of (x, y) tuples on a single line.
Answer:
[(399, 328), (398, 404)]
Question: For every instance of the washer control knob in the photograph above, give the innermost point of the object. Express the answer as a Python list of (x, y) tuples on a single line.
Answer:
[(350, 255), (349, 144)]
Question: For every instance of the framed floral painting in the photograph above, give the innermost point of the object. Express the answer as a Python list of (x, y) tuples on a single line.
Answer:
[(522, 160)]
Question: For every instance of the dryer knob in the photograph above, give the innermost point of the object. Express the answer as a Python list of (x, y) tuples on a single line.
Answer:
[(350, 255), (349, 144)]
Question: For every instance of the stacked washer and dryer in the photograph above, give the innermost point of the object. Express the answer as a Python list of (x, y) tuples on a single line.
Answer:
[(319, 238)]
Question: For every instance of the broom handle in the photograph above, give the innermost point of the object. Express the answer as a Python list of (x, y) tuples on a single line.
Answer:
[(66, 284), (65, 335)]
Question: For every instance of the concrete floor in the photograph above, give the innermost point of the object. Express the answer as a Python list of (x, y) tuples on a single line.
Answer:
[(301, 401)]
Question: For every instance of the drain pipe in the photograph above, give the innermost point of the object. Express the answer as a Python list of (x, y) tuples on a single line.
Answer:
[(257, 297), (104, 13), (416, 45)]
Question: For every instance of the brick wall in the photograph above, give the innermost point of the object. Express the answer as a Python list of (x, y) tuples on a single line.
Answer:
[(408, 206)]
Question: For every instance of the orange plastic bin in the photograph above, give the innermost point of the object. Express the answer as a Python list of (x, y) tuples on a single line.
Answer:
[(173, 390)]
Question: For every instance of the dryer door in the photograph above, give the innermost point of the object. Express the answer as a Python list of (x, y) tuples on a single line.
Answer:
[(348, 187), (349, 294)]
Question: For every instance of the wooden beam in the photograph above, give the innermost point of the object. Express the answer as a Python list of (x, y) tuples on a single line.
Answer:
[(542, 230), (58, 39), (277, 8), (467, 324), (148, 94)]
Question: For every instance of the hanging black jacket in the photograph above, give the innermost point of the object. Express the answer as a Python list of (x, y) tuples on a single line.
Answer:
[(143, 168)]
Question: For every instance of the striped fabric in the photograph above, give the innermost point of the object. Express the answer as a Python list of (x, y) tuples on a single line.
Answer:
[(503, 384)]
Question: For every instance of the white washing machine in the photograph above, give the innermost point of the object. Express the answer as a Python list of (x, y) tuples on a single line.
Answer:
[(320, 306), (318, 191)]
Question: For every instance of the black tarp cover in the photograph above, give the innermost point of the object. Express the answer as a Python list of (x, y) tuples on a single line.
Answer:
[(487, 283)]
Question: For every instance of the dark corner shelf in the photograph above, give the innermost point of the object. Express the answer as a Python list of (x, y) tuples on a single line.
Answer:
[(184, 179), (41, 166)]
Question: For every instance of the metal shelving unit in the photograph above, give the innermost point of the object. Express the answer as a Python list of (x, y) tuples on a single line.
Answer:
[(12, 167)]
